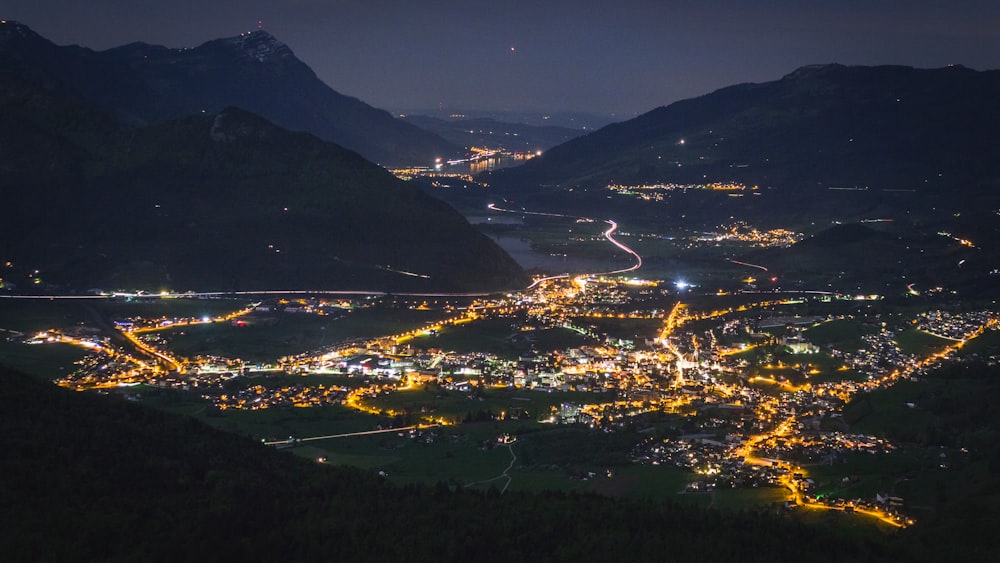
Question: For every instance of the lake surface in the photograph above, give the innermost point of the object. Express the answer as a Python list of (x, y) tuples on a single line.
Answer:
[(520, 250)]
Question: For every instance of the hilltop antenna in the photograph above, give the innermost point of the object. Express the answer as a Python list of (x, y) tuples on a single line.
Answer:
[(260, 25)]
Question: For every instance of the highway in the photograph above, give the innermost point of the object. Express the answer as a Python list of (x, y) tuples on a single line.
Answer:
[(758, 266), (611, 239), (608, 234)]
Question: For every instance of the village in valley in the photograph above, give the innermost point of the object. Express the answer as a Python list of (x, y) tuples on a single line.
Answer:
[(740, 391)]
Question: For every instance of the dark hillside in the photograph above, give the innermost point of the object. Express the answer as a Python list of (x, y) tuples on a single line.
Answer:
[(226, 201), (885, 260), (93, 478), (929, 133)]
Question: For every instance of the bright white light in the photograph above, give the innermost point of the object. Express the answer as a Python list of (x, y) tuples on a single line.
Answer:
[(681, 284)]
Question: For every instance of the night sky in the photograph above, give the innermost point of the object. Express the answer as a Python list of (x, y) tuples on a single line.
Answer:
[(620, 57)]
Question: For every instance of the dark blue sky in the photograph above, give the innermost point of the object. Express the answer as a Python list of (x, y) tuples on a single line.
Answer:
[(622, 57)]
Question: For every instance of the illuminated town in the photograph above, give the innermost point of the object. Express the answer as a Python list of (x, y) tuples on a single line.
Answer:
[(759, 402), (657, 192), (478, 160)]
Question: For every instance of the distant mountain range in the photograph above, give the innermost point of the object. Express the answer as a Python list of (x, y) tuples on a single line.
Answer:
[(144, 84), (223, 201), (489, 132), (928, 133), (575, 120)]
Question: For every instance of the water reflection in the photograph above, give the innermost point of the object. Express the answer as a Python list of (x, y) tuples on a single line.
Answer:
[(520, 250), (491, 163)]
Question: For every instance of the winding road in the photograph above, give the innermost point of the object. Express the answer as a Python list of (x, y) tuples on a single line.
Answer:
[(607, 235)]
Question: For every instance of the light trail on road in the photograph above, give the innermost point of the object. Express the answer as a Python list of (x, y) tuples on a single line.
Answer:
[(758, 266), (607, 235), (349, 434)]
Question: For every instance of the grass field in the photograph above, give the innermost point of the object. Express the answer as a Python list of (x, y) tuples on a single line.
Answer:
[(498, 336), (631, 481), (34, 315), (455, 406), (630, 329), (647, 481), (920, 343), (986, 344), (819, 367), (888, 411), (843, 334), (270, 424), (292, 333), (47, 361), (483, 335), (776, 362), (863, 475)]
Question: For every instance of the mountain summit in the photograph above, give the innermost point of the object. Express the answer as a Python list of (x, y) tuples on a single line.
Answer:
[(146, 84), (261, 46), (12, 31)]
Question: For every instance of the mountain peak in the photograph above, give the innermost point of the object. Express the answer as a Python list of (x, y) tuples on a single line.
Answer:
[(261, 46), (143, 84), (11, 31), (812, 70)]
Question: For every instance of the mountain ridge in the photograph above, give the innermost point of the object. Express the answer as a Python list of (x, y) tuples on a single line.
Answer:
[(886, 127), (142, 84), (216, 201)]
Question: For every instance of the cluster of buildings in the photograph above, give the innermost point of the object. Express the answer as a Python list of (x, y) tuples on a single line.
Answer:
[(657, 192), (742, 232), (257, 397), (741, 429), (952, 326)]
